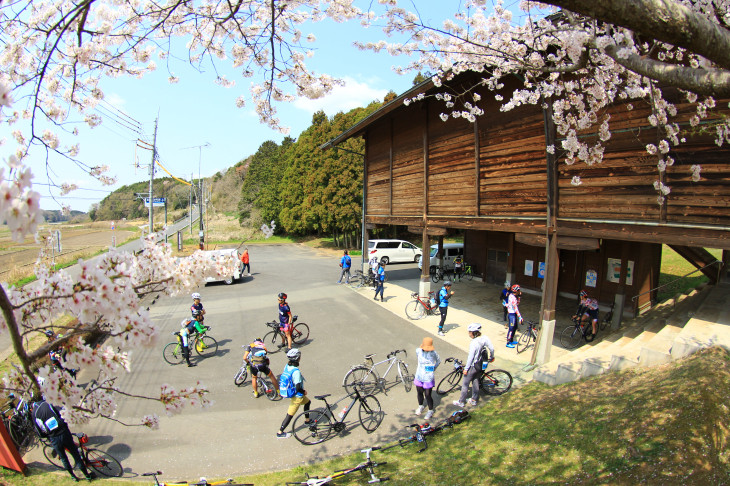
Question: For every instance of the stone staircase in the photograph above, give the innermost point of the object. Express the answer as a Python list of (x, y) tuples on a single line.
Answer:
[(673, 329)]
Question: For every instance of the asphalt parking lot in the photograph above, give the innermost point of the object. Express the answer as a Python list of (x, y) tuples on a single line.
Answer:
[(237, 434)]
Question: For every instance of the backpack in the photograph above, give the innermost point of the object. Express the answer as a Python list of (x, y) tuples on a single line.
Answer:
[(438, 298), (286, 383), (482, 359)]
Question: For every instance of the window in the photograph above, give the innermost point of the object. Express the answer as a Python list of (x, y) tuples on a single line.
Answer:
[(408, 246)]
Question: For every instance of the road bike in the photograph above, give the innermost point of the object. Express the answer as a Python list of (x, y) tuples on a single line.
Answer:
[(367, 467), (360, 279), (262, 382), (202, 482), (100, 461), (203, 344), (439, 273), (366, 375), (493, 382), (421, 431), (528, 338), (421, 307), (606, 322), (315, 426), (571, 336), (277, 339), (19, 423)]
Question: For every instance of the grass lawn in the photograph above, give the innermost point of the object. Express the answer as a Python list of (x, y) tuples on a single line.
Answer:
[(673, 267)]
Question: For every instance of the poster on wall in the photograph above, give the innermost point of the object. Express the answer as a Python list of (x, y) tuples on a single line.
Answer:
[(528, 267), (541, 269), (591, 278), (614, 270), (630, 273)]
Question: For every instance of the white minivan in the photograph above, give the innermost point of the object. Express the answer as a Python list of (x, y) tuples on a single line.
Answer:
[(451, 251), (238, 270), (393, 251)]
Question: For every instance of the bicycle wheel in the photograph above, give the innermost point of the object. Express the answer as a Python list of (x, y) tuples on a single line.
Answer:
[(173, 353), (589, 336), (496, 382), (52, 456), (606, 322), (570, 337), (449, 382), (524, 341), (436, 276), (300, 333), (361, 376), (241, 376), (103, 463), (405, 376), (371, 415), (272, 340), (206, 346), (316, 430), (415, 310), (267, 387)]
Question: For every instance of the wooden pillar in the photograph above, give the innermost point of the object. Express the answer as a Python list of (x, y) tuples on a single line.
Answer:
[(725, 270), (541, 353), (390, 168), (477, 149), (424, 285)]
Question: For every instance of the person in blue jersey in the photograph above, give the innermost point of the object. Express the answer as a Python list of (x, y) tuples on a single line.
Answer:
[(444, 295), (345, 264), (380, 281), (291, 385)]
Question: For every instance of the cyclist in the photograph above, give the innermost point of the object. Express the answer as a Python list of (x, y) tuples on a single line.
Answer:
[(473, 373), (428, 361), (48, 423), (292, 386), (188, 327), (513, 313), (345, 264), (285, 319), (458, 268), (587, 309), (380, 281), (56, 356), (258, 361), (444, 295), (197, 306), (504, 297)]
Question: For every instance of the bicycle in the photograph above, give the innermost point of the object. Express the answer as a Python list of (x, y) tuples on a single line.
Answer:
[(102, 462), (421, 307), (202, 482), (262, 382), (315, 426), (203, 344), (571, 335), (360, 279), (494, 382), (365, 375), (468, 272), (368, 466), (19, 423), (439, 273), (299, 335), (528, 337), (426, 429), (606, 322)]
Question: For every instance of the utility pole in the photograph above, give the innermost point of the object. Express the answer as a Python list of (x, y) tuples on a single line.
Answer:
[(190, 204), (152, 178)]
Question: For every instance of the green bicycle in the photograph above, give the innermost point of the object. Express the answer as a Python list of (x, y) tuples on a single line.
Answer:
[(203, 344)]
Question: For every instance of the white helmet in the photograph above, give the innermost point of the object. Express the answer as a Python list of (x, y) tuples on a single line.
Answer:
[(185, 322), (294, 354), (196, 295), (474, 327)]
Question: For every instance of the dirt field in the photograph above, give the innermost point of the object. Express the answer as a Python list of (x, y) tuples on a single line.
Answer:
[(77, 241)]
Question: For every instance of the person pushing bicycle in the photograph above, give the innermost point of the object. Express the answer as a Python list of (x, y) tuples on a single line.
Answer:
[(587, 308), (291, 385), (187, 327), (285, 319), (257, 358), (473, 369)]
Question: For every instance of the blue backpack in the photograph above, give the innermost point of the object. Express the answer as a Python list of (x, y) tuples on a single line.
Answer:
[(286, 383)]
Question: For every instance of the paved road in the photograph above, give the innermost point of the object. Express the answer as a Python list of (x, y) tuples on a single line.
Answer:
[(237, 435)]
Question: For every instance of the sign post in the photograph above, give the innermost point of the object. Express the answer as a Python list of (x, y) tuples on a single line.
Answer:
[(114, 235)]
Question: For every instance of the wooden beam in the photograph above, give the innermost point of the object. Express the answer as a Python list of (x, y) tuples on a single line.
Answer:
[(430, 231)]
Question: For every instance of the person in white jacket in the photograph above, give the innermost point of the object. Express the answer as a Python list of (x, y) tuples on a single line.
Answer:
[(471, 373), (428, 361)]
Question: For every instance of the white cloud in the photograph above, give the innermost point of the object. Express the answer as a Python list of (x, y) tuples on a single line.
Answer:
[(353, 94), (115, 100)]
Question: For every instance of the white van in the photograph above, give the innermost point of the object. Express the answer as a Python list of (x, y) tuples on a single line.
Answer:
[(393, 251), (451, 251), (237, 272)]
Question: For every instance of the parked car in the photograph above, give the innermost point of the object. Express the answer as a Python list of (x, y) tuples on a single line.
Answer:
[(237, 273), (451, 251), (394, 251)]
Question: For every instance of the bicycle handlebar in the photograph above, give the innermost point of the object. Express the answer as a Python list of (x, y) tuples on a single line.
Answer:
[(395, 353)]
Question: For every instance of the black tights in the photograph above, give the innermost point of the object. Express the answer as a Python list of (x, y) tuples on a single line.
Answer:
[(420, 392), (288, 417)]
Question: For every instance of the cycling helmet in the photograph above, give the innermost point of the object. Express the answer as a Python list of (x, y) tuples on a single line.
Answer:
[(294, 354), (196, 296), (515, 288), (48, 333), (507, 284), (282, 295), (583, 293), (474, 327), (447, 283)]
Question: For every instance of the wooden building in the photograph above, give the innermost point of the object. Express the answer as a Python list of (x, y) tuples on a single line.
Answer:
[(523, 218)]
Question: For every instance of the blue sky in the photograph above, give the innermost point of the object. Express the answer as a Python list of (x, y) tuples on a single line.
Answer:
[(196, 112)]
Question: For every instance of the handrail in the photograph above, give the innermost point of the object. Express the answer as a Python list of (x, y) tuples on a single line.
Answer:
[(678, 278)]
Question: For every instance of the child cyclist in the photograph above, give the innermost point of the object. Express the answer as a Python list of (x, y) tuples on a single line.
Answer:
[(196, 309)]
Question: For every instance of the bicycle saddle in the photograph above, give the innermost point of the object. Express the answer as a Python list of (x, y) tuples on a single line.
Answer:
[(369, 356), (322, 397)]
